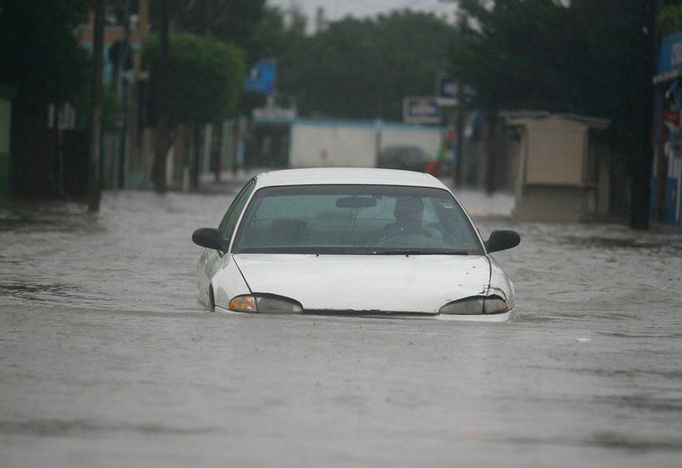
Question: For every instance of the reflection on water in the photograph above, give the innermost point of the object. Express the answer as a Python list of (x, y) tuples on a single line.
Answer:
[(46, 291), (73, 428), (46, 216), (611, 440), (641, 241), (135, 254)]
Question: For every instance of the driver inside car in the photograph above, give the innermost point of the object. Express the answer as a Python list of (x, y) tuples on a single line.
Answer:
[(409, 215)]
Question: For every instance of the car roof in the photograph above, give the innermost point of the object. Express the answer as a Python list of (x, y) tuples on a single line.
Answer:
[(347, 175)]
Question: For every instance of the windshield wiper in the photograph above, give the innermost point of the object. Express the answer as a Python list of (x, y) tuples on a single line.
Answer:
[(419, 252)]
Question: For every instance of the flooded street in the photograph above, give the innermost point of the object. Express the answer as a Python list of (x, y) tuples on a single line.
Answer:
[(107, 358)]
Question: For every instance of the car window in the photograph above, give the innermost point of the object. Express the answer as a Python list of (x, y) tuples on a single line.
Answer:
[(227, 225), (355, 219)]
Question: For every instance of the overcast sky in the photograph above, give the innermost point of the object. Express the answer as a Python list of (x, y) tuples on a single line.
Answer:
[(337, 9)]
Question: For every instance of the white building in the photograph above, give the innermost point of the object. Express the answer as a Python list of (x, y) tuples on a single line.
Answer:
[(335, 143)]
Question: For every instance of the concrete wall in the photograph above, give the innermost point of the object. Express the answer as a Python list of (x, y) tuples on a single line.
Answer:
[(551, 203), (316, 143)]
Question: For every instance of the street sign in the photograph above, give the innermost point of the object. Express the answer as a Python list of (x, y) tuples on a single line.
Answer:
[(447, 88), (670, 58), (261, 78), (421, 110), (446, 91), (274, 114)]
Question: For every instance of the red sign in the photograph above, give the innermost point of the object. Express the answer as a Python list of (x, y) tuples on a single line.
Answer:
[(672, 117)]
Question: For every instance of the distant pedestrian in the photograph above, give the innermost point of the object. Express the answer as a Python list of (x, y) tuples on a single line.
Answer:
[(433, 168)]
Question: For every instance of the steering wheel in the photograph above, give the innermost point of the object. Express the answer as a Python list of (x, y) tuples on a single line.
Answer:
[(403, 232)]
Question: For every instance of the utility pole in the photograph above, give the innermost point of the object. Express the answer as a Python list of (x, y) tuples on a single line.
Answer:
[(94, 182), (459, 129), (123, 59), (461, 115), (159, 169), (644, 107), (195, 162)]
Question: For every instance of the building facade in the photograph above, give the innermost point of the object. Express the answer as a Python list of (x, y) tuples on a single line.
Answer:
[(666, 197), (125, 163)]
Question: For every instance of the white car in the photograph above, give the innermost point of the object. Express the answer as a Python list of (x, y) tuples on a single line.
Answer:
[(370, 242)]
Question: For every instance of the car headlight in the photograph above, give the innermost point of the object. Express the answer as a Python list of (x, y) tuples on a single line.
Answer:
[(264, 303), (476, 306)]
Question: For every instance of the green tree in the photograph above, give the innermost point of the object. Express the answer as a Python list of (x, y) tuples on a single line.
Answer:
[(39, 54), (205, 77), (516, 39), (274, 37), (228, 20), (277, 38), (584, 56), (362, 68), (669, 20), (204, 81)]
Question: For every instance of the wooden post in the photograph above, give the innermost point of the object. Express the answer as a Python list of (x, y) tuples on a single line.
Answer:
[(94, 182)]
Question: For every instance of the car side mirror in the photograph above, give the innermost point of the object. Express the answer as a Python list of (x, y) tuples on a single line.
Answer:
[(210, 238), (502, 240)]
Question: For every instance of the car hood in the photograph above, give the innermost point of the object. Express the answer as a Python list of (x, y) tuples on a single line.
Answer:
[(367, 283)]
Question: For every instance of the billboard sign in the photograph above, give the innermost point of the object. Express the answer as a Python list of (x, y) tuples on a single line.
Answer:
[(446, 90), (274, 114), (421, 110), (261, 78), (670, 58)]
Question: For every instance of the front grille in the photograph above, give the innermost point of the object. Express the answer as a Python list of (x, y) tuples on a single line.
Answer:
[(367, 313)]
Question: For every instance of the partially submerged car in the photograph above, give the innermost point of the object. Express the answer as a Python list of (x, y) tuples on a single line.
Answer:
[(370, 242)]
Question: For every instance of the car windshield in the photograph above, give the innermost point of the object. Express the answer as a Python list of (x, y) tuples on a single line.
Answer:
[(355, 219)]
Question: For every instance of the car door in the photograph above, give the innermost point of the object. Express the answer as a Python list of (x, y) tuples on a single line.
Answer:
[(212, 260)]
